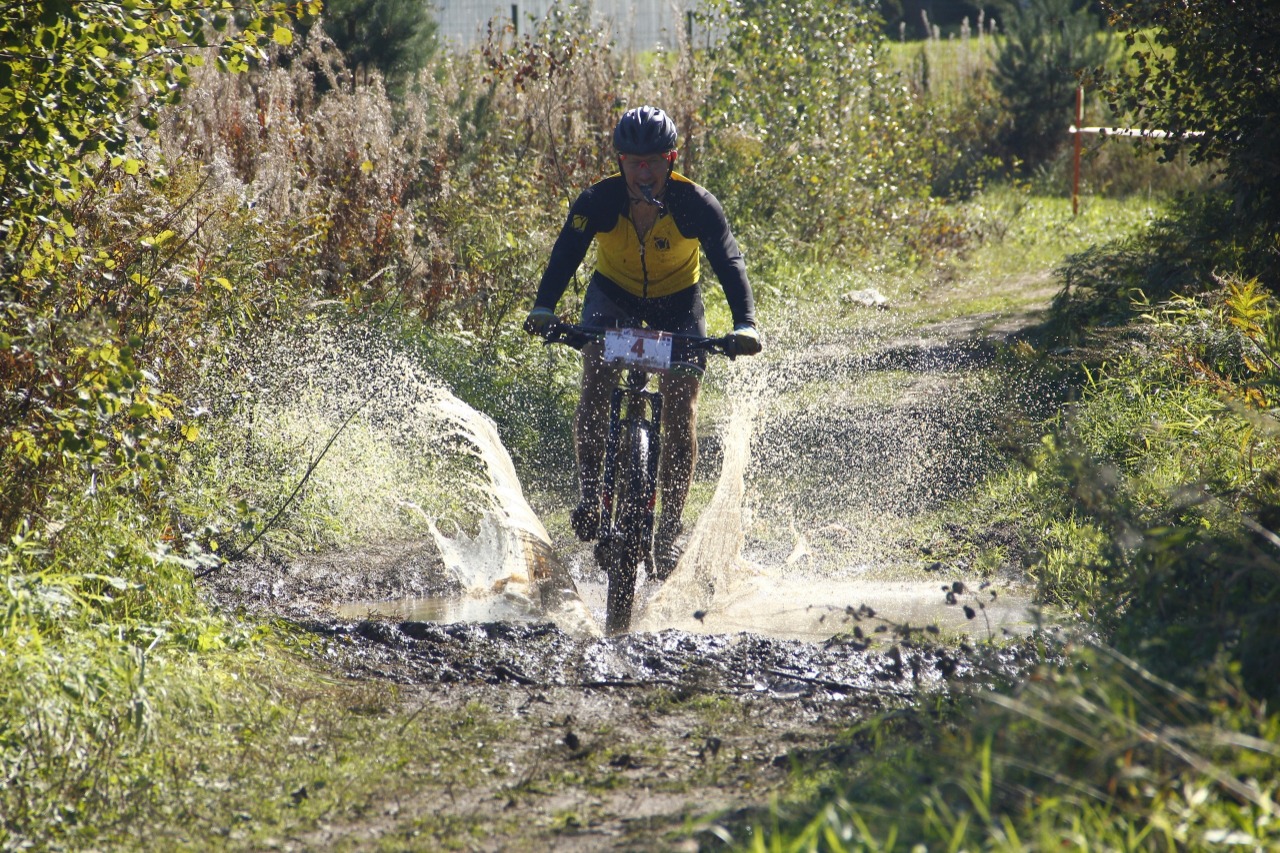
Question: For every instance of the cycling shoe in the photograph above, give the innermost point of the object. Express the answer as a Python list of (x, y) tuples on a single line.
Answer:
[(665, 552), (585, 519)]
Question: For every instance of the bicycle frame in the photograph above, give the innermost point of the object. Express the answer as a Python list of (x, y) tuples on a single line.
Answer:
[(632, 405)]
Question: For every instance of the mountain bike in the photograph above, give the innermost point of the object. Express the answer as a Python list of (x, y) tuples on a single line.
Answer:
[(632, 449)]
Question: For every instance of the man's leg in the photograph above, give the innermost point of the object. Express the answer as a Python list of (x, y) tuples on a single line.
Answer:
[(679, 455), (591, 427)]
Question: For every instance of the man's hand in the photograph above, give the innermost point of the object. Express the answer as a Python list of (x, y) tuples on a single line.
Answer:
[(746, 340), (539, 320)]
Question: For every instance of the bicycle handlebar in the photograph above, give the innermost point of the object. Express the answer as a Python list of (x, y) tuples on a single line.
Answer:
[(573, 335)]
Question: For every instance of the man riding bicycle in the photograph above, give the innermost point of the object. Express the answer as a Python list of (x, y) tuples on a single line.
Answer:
[(649, 223)]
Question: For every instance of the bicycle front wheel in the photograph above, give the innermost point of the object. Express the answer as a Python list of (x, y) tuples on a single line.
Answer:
[(633, 528)]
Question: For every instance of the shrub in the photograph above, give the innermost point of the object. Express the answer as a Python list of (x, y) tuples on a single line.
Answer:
[(1170, 455), (1205, 73)]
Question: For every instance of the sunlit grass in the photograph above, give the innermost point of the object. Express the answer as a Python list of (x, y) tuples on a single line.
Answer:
[(1103, 755)]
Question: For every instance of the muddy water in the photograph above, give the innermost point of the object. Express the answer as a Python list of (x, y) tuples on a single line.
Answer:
[(510, 572), (511, 561), (798, 608)]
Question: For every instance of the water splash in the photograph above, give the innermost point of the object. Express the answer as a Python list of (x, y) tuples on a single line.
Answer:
[(511, 554), (408, 460), (711, 564), (792, 542)]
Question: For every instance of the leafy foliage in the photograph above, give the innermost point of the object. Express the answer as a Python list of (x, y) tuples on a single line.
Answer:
[(83, 285), (1169, 461), (93, 308), (1207, 73), (1179, 254)]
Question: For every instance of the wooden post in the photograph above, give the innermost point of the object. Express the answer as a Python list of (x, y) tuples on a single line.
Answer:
[(1076, 143), (515, 18)]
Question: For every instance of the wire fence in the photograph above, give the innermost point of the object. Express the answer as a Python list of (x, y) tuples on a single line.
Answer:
[(636, 24)]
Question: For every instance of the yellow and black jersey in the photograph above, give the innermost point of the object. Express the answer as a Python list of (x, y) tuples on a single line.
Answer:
[(666, 262)]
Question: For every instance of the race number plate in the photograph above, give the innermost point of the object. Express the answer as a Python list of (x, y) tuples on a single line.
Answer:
[(645, 349)]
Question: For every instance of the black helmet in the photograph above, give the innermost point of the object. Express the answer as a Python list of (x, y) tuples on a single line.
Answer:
[(645, 130)]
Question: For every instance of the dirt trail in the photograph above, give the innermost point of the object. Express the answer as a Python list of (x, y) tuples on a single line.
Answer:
[(669, 739)]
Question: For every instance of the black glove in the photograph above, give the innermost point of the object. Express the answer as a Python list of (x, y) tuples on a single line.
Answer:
[(539, 320), (746, 340)]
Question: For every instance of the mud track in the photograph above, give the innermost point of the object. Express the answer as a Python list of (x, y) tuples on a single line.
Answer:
[(666, 741)]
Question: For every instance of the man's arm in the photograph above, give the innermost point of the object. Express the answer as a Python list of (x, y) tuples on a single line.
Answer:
[(712, 230), (567, 253)]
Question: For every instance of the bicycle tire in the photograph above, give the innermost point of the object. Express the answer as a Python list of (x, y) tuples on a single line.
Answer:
[(634, 517)]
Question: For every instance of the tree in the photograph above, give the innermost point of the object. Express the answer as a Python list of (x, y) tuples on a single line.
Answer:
[(396, 37), (1049, 44), (1207, 72)]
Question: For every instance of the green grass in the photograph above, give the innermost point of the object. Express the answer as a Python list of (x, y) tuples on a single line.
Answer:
[(241, 749), (1099, 755)]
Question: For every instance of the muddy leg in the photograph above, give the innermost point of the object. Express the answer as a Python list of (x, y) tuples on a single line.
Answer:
[(591, 426), (679, 454)]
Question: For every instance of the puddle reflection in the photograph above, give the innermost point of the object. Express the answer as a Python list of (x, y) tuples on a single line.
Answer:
[(444, 610)]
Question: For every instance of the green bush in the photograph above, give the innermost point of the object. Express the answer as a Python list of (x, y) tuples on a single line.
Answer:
[(1205, 73), (1159, 486)]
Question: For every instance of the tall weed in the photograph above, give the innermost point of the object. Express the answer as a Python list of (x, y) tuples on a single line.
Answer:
[(1099, 754)]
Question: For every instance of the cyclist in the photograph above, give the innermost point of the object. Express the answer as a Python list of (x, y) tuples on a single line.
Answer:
[(649, 223)]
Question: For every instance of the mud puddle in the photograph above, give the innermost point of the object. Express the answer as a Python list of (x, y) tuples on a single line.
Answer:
[(899, 665), (813, 609)]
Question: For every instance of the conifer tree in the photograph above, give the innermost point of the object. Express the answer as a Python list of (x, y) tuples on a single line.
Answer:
[(396, 37), (1048, 46)]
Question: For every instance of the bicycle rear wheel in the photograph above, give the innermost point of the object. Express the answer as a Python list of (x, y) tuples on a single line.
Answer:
[(633, 527)]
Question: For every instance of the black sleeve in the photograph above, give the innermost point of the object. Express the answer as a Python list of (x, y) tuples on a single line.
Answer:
[(567, 254), (586, 218), (712, 230)]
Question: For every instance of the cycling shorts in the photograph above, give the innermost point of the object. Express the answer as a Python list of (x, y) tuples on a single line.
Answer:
[(606, 305)]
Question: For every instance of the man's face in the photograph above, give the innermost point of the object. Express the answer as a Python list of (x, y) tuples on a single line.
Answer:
[(646, 170)]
